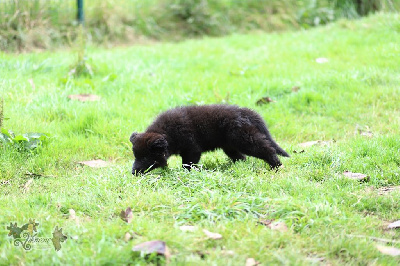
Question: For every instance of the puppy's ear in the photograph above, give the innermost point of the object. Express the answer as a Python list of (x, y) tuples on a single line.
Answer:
[(158, 144), (133, 136)]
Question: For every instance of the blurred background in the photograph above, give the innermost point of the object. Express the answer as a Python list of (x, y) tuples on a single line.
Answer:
[(27, 25)]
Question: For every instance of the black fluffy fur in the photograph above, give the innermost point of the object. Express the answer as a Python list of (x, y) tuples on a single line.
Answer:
[(191, 130)]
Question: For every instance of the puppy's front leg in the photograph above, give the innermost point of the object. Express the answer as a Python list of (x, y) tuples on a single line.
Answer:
[(190, 158)]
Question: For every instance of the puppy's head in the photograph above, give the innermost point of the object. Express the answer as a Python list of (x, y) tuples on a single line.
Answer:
[(150, 151)]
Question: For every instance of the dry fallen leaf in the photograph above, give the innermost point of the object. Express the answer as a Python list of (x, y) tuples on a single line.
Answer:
[(315, 259), (212, 235), (127, 237), (367, 134), (251, 262), (228, 252), (265, 222), (155, 246), (356, 176), (392, 251), (72, 214), (394, 225), (278, 226), (264, 100), (84, 97), (27, 185), (126, 215), (321, 60), (315, 142), (295, 88), (130, 235), (386, 190), (95, 163), (309, 143), (364, 131), (188, 228)]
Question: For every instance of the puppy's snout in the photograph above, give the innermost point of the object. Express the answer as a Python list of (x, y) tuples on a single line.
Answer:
[(144, 166), (136, 170)]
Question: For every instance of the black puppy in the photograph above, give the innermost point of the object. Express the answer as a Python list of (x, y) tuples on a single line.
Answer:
[(191, 130)]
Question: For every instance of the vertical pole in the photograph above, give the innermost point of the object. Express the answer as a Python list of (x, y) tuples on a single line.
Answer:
[(80, 15), (1, 111)]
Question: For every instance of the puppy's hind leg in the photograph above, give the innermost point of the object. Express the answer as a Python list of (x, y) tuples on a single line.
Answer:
[(258, 146), (190, 158), (234, 155), (260, 125), (278, 149), (266, 153)]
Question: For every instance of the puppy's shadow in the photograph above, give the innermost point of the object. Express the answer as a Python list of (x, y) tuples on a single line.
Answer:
[(213, 161), (224, 164), (221, 165)]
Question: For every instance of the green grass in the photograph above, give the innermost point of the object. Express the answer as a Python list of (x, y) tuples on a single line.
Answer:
[(358, 87)]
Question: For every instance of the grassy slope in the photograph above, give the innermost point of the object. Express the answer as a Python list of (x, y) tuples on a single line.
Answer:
[(358, 86)]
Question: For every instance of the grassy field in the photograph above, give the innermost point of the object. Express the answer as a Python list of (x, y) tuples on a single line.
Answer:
[(331, 220)]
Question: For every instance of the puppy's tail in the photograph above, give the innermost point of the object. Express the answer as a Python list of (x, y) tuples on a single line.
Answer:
[(281, 151), (263, 128), (278, 149)]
